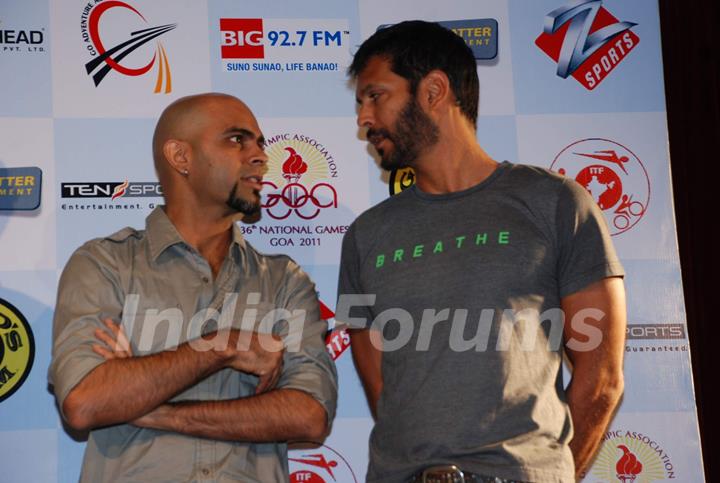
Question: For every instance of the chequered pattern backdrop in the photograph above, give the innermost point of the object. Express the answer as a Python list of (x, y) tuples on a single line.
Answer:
[(86, 121)]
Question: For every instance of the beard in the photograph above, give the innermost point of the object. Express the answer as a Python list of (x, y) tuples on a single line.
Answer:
[(412, 133), (248, 208)]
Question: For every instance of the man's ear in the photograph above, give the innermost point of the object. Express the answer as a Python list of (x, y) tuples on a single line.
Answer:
[(434, 90), (178, 155)]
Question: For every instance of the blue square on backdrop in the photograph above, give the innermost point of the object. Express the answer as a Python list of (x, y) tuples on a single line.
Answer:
[(89, 151), (635, 84), (25, 59)]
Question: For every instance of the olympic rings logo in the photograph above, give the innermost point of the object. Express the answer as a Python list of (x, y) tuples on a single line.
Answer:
[(295, 197)]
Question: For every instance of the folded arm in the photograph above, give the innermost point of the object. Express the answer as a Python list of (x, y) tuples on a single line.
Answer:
[(277, 415), (125, 388)]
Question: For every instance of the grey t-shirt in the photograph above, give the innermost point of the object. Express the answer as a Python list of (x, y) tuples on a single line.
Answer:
[(460, 282)]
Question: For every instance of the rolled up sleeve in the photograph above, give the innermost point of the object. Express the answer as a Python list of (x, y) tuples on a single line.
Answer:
[(307, 365), (88, 292)]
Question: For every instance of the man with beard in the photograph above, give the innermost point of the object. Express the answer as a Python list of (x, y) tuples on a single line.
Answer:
[(466, 289), (224, 359)]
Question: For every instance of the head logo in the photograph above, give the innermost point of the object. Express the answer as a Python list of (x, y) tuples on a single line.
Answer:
[(17, 349), (613, 175), (586, 41), (107, 59), (297, 167), (400, 180), (321, 465), (627, 456), (21, 40)]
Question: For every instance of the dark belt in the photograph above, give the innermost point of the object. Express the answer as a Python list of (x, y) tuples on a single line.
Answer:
[(453, 474)]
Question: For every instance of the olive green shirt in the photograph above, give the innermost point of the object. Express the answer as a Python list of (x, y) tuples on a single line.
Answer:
[(159, 286)]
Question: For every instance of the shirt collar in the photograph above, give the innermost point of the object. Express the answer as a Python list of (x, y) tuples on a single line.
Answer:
[(162, 234)]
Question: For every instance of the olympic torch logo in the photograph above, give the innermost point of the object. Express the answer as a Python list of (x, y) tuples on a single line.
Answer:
[(628, 466), (296, 162)]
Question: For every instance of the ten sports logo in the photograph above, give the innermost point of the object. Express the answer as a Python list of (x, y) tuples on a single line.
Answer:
[(586, 41)]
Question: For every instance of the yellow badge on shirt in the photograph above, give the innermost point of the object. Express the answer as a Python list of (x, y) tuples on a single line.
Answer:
[(401, 179)]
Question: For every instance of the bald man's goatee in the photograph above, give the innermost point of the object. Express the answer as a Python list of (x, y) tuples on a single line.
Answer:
[(240, 205)]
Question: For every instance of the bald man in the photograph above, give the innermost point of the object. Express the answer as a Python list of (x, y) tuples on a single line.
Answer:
[(187, 354)]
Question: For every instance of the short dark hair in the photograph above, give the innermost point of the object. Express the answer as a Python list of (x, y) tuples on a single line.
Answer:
[(414, 48)]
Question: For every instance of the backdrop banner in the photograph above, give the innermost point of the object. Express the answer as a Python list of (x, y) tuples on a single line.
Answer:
[(75, 163)]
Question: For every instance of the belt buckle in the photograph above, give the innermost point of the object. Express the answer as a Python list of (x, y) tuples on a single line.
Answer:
[(442, 474)]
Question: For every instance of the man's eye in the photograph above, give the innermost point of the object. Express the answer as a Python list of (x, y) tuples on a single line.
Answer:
[(237, 139)]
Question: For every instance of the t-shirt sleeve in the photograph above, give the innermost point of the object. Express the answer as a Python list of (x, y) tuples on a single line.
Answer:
[(88, 292), (353, 301), (307, 366), (586, 252)]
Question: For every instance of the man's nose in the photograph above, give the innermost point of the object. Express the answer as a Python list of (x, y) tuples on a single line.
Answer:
[(366, 116), (260, 157)]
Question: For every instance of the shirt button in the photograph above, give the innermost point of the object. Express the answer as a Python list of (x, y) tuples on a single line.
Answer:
[(205, 279), (205, 471)]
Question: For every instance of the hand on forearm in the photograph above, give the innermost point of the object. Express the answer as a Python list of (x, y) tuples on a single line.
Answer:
[(124, 388), (252, 353), (278, 415), (154, 379)]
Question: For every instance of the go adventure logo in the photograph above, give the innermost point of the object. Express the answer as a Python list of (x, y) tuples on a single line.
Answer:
[(17, 349), (112, 30)]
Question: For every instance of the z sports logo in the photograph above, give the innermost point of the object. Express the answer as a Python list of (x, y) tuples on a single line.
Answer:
[(586, 41), (107, 59)]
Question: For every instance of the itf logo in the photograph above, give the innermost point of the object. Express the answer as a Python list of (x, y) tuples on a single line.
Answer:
[(614, 177), (114, 16), (320, 465), (586, 41)]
